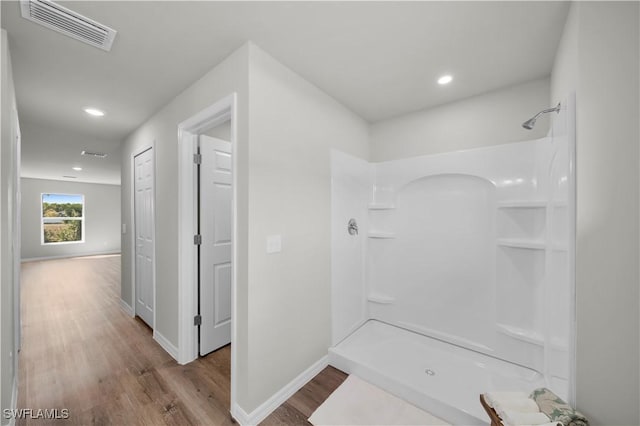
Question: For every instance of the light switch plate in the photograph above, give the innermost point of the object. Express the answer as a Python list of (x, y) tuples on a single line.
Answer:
[(124, 228), (274, 244)]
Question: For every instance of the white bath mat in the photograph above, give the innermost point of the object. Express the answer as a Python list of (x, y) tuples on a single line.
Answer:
[(356, 402)]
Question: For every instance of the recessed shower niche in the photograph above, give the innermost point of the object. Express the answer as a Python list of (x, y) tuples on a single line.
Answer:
[(463, 256)]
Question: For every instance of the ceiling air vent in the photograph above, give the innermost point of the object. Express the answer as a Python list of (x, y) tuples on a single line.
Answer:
[(94, 154), (65, 21)]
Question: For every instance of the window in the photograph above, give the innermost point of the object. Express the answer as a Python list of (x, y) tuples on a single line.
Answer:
[(62, 218)]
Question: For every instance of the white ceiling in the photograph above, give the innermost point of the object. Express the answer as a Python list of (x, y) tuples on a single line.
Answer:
[(380, 59)]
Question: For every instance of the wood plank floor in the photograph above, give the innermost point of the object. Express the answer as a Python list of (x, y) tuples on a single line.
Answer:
[(81, 352), (303, 403)]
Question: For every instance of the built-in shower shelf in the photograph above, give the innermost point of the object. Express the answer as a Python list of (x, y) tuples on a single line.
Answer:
[(522, 204), (525, 335), (522, 243), (381, 299), (381, 235), (382, 206)]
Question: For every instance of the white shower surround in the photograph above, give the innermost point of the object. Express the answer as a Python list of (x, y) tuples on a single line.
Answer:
[(473, 248)]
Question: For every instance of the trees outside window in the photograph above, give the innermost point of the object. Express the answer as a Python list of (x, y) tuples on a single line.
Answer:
[(62, 218)]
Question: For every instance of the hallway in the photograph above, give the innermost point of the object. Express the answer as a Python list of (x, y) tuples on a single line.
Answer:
[(80, 351)]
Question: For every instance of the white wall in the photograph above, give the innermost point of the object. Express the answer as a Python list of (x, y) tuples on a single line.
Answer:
[(9, 187), (293, 127), (101, 213), (564, 76), (283, 188), (489, 119), (162, 130), (598, 58)]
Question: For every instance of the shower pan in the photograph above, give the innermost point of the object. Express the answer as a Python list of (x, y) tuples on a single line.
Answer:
[(460, 280)]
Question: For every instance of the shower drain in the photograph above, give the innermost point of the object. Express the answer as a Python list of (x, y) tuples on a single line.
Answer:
[(430, 372)]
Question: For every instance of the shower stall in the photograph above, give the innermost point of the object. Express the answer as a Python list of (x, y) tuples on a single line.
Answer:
[(452, 274)]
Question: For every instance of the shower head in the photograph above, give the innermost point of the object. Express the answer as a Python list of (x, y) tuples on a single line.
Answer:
[(529, 123), (532, 121)]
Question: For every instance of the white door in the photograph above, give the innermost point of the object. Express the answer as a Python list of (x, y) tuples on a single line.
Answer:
[(215, 249), (144, 226)]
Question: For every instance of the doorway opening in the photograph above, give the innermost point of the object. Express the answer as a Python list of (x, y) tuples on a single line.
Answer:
[(207, 195)]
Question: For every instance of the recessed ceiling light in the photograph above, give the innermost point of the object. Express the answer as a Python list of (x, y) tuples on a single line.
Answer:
[(77, 169), (445, 79), (93, 111)]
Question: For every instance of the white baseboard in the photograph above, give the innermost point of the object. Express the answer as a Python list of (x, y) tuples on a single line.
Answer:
[(127, 308), (280, 397), (166, 344), (68, 256), (239, 415)]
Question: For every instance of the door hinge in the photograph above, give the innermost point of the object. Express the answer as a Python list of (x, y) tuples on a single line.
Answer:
[(197, 239), (197, 158), (197, 320)]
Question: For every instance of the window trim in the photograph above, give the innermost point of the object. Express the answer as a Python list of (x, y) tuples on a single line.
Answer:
[(81, 218)]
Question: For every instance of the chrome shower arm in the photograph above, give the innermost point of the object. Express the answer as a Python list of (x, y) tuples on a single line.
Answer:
[(532, 121)]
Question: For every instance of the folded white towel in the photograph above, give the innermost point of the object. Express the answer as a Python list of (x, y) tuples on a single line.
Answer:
[(522, 405), (492, 397), (516, 418)]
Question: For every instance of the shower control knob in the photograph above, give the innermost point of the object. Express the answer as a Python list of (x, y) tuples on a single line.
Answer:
[(352, 227)]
